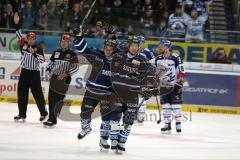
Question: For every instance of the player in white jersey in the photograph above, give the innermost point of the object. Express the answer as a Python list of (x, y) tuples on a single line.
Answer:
[(171, 102)]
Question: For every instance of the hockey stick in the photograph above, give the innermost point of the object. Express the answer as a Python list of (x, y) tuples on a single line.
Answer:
[(87, 14), (140, 104), (159, 111)]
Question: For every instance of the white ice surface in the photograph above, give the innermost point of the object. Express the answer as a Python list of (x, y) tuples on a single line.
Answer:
[(207, 136)]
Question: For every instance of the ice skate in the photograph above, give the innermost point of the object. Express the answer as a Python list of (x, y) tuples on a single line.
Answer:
[(104, 146), (178, 127), (120, 148), (48, 124), (166, 129), (42, 118), (114, 144), (83, 133), (19, 119), (140, 119)]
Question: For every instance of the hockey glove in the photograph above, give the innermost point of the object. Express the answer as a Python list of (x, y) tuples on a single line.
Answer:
[(77, 31), (110, 29), (179, 85), (147, 94)]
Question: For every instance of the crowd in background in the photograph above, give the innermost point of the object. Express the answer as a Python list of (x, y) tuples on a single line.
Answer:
[(183, 19)]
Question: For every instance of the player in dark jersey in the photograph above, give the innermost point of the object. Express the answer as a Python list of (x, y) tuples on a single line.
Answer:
[(121, 85), (100, 84)]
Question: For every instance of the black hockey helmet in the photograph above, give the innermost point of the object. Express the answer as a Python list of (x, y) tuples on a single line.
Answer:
[(110, 42), (133, 39)]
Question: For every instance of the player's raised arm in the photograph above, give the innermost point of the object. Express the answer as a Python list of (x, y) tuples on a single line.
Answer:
[(19, 36)]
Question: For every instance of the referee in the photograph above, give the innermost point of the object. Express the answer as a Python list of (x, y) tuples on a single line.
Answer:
[(30, 74), (63, 63)]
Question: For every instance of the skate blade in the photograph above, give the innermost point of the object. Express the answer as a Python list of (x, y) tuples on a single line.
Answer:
[(166, 132), (114, 150), (119, 152), (104, 150), (20, 121), (48, 127)]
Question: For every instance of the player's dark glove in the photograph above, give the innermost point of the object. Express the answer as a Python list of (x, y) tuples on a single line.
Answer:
[(179, 85), (77, 31), (147, 94), (151, 70), (110, 29), (136, 77)]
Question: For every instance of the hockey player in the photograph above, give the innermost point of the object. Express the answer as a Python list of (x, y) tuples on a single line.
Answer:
[(148, 54), (130, 101), (29, 78), (63, 64), (94, 87), (174, 76)]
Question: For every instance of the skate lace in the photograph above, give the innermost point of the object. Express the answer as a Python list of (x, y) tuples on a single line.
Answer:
[(85, 131)]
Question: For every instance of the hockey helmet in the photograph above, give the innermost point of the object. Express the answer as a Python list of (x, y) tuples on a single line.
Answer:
[(110, 42), (166, 43), (122, 45), (141, 38), (133, 39)]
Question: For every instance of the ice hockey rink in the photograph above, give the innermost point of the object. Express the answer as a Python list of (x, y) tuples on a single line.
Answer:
[(204, 136)]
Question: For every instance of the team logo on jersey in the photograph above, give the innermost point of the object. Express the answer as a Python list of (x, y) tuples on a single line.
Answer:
[(57, 54), (106, 72)]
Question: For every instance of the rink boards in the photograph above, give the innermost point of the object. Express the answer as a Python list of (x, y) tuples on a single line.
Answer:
[(204, 91)]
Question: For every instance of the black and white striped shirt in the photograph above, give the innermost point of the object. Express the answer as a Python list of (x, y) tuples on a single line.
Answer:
[(29, 61), (63, 62)]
